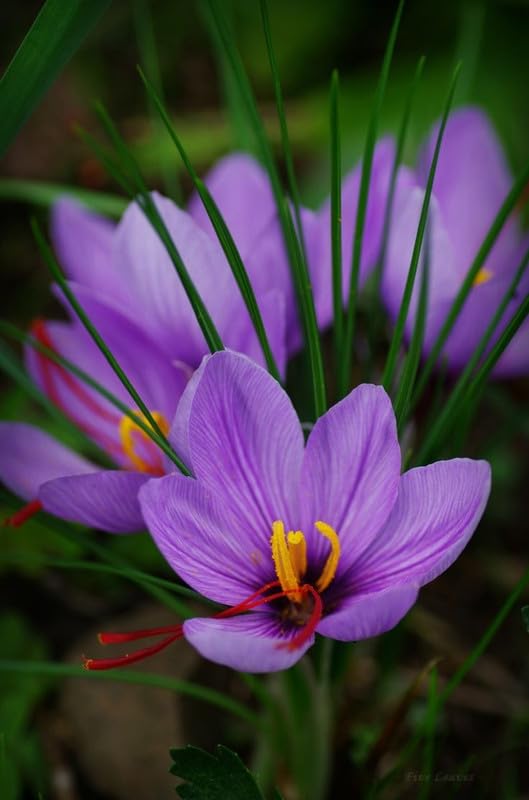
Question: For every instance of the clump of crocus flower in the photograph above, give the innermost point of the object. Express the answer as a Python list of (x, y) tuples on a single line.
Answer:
[(471, 182), (325, 538), (124, 279)]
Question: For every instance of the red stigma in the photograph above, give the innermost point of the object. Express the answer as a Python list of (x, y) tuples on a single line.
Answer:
[(22, 516), (174, 632)]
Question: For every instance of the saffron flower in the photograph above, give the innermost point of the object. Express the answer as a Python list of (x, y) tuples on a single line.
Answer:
[(326, 538), (471, 182), (123, 278)]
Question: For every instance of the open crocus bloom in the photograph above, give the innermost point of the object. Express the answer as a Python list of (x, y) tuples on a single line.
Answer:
[(123, 277), (471, 182), (43, 471), (326, 538)]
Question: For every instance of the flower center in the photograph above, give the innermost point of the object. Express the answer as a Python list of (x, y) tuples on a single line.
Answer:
[(289, 553), (483, 276), (136, 444)]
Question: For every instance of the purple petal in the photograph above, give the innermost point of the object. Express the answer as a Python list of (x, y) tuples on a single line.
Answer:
[(104, 500), (443, 280), (436, 513), (243, 338), (242, 191), (245, 441), (471, 182), (158, 382), (383, 160), (83, 242), (203, 541), (365, 615), (30, 457), (250, 643), (350, 473), (153, 293)]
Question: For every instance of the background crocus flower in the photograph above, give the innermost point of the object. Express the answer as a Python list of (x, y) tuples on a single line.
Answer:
[(124, 279), (325, 538), (319, 227), (36, 467), (471, 182)]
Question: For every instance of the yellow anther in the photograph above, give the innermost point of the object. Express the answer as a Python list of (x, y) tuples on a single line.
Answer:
[(483, 276), (297, 550), (284, 568), (331, 565), (128, 427)]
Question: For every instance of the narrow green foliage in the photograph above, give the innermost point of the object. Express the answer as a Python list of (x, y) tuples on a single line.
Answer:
[(336, 212), (363, 195), (298, 266), (495, 229), (55, 35), (128, 173), (283, 127), (161, 441), (396, 341), (202, 693), (525, 617), (221, 776), (413, 357), (471, 382), (45, 194), (456, 680), (145, 35), (431, 728), (223, 233), (10, 364)]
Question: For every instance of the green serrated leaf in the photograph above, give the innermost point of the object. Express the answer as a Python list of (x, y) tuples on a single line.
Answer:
[(221, 776), (49, 44)]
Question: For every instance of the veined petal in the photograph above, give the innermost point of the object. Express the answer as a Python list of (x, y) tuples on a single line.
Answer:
[(154, 295), (241, 189), (350, 473), (203, 541), (105, 500), (437, 511), (245, 441), (254, 642), (30, 457), (83, 242), (469, 195), (364, 615)]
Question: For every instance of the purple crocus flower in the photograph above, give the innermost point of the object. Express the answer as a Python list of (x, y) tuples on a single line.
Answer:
[(123, 278), (471, 182), (326, 537)]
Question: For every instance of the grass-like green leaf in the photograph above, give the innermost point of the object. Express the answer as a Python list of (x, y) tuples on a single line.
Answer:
[(55, 35), (12, 332), (40, 193), (470, 382), (398, 333), (298, 265), (336, 212), (128, 173), (222, 231), (363, 195), (495, 229), (202, 693)]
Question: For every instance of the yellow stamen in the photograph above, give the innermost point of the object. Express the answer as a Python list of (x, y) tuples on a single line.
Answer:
[(282, 561), (483, 276), (297, 550), (128, 427), (331, 565)]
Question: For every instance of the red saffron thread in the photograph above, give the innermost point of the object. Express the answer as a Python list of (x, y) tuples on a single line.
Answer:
[(22, 515), (176, 631)]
